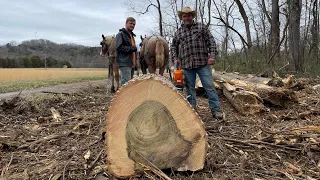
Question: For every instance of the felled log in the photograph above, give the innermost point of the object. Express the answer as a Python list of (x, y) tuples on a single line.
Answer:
[(151, 124), (245, 102), (288, 82), (250, 78), (273, 95)]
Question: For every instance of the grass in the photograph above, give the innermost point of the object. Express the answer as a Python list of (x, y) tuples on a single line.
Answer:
[(22, 79)]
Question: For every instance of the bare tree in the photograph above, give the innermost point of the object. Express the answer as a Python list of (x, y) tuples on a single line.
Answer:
[(296, 61), (222, 20), (275, 30), (314, 49), (147, 7), (246, 22), (264, 9)]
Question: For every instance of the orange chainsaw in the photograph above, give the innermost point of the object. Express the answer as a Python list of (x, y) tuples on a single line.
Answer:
[(178, 79)]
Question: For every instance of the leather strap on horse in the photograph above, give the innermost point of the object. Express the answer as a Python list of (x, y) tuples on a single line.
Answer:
[(134, 61)]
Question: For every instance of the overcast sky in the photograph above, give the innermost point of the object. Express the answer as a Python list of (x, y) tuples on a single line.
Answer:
[(65, 21)]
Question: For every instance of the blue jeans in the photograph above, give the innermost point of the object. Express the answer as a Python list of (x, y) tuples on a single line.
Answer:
[(132, 73), (206, 78), (125, 74)]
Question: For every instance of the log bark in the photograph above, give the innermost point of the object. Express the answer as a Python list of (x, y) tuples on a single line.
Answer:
[(245, 102), (151, 124)]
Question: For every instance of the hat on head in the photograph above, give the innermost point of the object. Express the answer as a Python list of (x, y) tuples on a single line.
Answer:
[(187, 10)]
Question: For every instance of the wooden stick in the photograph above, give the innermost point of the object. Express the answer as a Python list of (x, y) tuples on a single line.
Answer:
[(155, 169), (5, 169), (254, 142), (97, 158), (47, 138)]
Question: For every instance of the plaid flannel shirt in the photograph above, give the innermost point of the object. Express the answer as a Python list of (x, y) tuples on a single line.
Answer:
[(193, 46)]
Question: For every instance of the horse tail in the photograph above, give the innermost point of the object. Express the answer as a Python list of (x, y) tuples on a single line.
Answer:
[(159, 54)]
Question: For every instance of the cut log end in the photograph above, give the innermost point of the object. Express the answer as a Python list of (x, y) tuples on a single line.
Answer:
[(150, 123), (153, 137)]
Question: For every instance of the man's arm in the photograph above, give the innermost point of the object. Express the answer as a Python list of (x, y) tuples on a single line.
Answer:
[(122, 48)]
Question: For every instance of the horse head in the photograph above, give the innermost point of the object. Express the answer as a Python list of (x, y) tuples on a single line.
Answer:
[(104, 46)]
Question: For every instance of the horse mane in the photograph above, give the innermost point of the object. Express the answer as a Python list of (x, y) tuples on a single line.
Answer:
[(159, 53)]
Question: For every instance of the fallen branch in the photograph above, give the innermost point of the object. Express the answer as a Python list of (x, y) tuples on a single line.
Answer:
[(254, 142), (64, 93), (6, 168), (47, 138), (295, 130), (97, 158), (242, 142), (155, 169)]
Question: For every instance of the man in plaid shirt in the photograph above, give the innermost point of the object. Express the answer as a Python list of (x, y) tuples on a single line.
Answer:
[(194, 49)]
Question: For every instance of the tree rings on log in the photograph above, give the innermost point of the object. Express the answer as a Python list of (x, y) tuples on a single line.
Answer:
[(149, 124)]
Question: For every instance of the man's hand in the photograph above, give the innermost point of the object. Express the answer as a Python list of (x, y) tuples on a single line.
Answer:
[(176, 63), (211, 61), (134, 64)]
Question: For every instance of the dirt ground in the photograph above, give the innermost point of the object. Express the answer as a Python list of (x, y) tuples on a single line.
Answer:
[(61, 136)]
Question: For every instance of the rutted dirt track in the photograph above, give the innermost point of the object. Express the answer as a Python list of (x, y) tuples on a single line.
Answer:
[(61, 136)]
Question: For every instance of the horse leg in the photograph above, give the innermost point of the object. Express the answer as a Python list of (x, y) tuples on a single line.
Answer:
[(112, 79), (144, 67), (161, 71), (151, 69), (117, 76)]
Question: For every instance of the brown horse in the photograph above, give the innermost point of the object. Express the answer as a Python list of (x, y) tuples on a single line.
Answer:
[(109, 48), (155, 53)]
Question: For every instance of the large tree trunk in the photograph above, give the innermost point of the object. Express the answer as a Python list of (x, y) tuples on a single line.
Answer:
[(314, 49), (160, 17), (149, 124), (275, 31), (246, 23), (296, 62)]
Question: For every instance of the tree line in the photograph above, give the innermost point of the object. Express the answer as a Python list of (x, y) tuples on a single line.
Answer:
[(43, 53), (33, 62), (253, 35)]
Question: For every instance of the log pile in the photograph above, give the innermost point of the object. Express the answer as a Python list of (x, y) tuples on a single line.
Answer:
[(150, 125), (249, 94)]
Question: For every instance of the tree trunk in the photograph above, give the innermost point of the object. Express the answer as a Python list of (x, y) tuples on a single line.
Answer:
[(246, 23), (160, 18), (275, 31), (264, 9), (197, 10), (226, 38), (314, 49), (296, 62), (209, 13), (151, 124)]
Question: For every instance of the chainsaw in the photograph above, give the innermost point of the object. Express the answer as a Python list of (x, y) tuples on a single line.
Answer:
[(177, 79)]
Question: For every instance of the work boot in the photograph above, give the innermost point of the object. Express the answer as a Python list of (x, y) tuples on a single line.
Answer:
[(218, 115)]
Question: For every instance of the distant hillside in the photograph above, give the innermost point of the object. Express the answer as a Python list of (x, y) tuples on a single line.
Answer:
[(77, 56)]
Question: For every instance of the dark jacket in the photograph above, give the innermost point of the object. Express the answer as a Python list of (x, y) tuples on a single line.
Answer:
[(124, 48)]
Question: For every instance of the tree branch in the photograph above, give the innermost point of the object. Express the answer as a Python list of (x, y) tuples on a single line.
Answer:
[(230, 27)]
